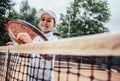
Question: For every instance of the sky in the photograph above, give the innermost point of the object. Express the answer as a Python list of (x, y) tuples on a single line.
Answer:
[(60, 6), (114, 23)]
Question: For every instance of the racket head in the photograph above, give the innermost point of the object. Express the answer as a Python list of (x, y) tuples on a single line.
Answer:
[(16, 26)]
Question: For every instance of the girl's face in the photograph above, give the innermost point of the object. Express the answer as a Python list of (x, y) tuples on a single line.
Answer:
[(47, 23)]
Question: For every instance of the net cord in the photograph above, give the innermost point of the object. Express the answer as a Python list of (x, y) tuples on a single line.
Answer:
[(92, 45)]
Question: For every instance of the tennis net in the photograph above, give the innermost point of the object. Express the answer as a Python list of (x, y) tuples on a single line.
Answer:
[(86, 58)]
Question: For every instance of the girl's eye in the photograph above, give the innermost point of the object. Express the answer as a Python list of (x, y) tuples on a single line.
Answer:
[(42, 19), (48, 20)]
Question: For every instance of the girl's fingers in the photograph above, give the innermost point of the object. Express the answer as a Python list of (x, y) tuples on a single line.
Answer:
[(24, 37)]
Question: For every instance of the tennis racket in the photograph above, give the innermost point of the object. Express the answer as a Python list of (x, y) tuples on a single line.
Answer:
[(16, 26)]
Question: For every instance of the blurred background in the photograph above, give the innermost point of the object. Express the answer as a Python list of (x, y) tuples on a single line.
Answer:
[(74, 17)]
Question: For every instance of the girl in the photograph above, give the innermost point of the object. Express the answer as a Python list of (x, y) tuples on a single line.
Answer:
[(41, 65)]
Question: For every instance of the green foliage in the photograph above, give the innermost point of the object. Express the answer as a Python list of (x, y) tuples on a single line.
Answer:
[(7, 12), (28, 14), (5, 8), (85, 17)]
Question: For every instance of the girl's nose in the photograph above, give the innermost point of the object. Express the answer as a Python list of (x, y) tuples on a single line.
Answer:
[(45, 22)]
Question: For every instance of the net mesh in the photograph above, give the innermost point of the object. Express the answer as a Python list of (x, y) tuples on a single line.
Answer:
[(21, 65), (66, 68), (2, 62)]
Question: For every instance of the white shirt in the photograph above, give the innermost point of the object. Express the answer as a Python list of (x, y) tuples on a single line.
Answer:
[(41, 63)]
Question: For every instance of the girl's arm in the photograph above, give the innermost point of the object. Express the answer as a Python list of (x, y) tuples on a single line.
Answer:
[(25, 38)]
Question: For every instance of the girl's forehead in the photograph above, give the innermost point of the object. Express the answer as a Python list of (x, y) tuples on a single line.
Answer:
[(46, 15)]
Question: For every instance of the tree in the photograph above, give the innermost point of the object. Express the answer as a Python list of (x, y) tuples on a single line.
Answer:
[(28, 14), (7, 13), (84, 17), (25, 13), (5, 8)]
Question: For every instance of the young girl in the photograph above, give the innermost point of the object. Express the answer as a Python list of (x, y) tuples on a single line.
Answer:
[(41, 65)]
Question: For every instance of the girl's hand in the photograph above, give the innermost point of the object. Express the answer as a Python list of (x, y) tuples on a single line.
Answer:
[(47, 57), (9, 43), (24, 38)]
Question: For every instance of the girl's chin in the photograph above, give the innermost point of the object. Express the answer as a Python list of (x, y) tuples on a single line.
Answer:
[(46, 32)]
